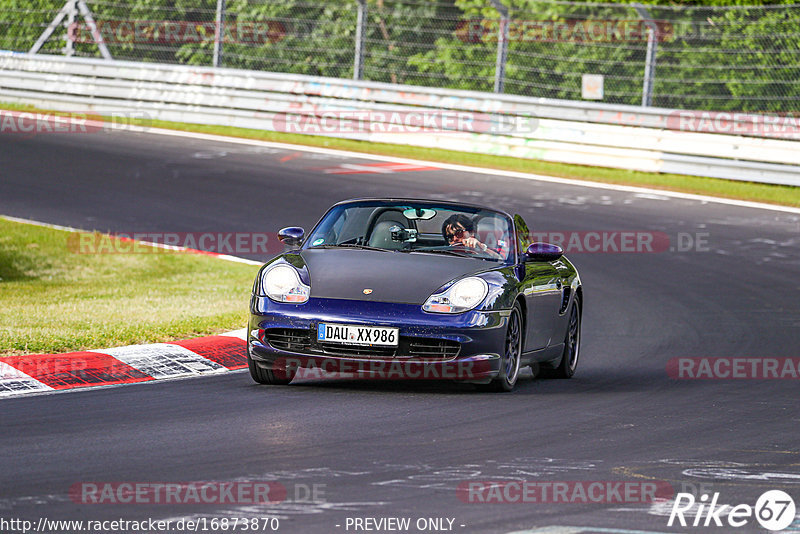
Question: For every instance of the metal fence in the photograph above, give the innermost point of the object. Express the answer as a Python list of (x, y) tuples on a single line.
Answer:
[(748, 147), (742, 58)]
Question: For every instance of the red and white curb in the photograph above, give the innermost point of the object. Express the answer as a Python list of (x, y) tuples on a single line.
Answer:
[(48, 373)]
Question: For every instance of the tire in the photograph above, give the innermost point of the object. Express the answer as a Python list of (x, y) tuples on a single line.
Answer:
[(512, 352), (265, 376), (572, 346)]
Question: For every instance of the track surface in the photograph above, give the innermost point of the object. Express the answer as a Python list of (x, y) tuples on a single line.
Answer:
[(380, 449)]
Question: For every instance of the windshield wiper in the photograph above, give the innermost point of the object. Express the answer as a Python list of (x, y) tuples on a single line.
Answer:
[(438, 250), (350, 245), (451, 252)]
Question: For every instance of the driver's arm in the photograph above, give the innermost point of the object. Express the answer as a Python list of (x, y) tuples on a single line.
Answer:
[(473, 242)]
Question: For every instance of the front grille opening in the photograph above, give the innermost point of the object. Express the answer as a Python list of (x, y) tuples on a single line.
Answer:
[(289, 339), (334, 349), (301, 340), (437, 349)]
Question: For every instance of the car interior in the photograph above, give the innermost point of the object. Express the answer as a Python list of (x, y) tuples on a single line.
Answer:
[(397, 228)]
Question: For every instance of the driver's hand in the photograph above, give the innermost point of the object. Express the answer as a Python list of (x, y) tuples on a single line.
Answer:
[(473, 242)]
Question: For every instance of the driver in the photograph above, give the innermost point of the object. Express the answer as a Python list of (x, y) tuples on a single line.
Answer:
[(457, 231)]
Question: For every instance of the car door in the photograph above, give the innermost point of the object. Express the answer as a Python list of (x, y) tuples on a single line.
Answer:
[(541, 286), (543, 298)]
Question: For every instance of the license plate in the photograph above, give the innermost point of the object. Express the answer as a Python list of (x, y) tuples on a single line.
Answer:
[(357, 335)]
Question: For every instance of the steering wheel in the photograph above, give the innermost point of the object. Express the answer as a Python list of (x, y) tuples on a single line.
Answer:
[(460, 247)]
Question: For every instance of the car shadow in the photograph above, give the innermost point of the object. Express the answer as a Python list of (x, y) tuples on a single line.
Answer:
[(597, 380)]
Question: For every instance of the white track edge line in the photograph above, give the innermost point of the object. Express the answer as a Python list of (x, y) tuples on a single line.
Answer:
[(464, 168)]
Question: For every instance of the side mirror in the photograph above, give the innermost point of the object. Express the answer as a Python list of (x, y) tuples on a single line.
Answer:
[(543, 252), (291, 236)]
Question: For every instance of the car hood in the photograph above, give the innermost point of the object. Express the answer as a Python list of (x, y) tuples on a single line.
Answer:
[(392, 276)]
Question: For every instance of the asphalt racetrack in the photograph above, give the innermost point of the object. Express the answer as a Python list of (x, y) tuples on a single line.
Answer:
[(726, 286)]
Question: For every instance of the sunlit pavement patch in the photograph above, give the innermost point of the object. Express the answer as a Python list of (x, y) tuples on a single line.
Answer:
[(45, 373)]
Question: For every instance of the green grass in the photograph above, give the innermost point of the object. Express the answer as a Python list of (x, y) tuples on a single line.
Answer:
[(771, 194), (56, 300)]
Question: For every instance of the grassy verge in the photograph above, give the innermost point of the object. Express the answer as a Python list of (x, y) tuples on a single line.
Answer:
[(772, 194), (55, 300)]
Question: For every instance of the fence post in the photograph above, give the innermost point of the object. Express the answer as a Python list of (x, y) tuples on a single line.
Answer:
[(72, 12), (502, 47), (96, 35), (361, 32), (650, 59), (219, 33), (69, 11)]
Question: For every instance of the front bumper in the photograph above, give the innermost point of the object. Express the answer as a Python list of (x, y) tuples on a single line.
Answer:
[(478, 335)]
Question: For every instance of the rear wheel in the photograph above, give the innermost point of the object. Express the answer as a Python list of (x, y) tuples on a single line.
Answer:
[(266, 376), (509, 363), (572, 346)]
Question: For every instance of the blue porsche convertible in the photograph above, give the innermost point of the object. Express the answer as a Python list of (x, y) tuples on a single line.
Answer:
[(415, 289)]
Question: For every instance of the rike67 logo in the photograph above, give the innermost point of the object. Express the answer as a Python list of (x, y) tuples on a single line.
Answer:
[(774, 510)]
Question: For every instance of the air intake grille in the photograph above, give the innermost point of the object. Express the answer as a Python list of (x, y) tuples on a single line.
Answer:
[(361, 351), (565, 299), (289, 339), (434, 349), (301, 341)]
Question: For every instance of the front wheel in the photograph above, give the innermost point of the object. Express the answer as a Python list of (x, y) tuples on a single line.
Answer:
[(266, 376), (572, 346), (512, 351)]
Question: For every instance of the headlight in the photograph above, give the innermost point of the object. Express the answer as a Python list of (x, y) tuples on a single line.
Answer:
[(460, 297), (282, 284)]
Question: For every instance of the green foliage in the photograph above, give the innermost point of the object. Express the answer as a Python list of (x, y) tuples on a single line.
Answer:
[(22, 21), (718, 54)]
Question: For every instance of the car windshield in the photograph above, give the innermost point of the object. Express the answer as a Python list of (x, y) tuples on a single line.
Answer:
[(415, 227)]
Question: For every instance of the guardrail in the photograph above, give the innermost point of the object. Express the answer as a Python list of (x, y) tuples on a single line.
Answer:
[(751, 147)]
